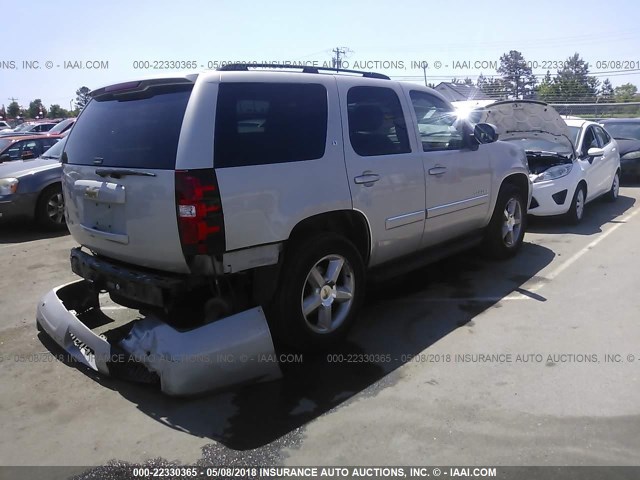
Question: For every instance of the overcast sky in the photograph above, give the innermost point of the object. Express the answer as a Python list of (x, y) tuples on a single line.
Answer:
[(122, 32)]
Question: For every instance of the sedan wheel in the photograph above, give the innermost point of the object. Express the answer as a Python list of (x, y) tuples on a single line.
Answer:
[(576, 210), (612, 195), (55, 209), (580, 204), (50, 208)]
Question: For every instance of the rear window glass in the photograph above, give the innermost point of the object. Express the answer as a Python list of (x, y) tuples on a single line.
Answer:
[(55, 151), (263, 123), (136, 131), (62, 126)]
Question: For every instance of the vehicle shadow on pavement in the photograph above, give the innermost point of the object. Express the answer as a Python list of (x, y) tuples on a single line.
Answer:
[(16, 231), (402, 317), (596, 214)]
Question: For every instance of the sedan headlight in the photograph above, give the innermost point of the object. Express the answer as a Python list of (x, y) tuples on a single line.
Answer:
[(8, 186), (631, 156), (553, 173)]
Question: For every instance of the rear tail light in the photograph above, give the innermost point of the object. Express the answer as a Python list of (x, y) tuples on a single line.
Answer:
[(199, 212)]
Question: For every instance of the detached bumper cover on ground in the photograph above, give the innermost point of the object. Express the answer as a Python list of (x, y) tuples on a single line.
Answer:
[(235, 350)]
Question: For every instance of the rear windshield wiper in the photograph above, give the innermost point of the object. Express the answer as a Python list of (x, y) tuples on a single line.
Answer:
[(121, 172)]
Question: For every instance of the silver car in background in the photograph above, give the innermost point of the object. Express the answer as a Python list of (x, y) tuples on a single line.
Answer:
[(32, 189)]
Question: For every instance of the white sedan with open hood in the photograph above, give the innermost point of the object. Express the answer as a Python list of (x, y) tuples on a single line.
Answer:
[(571, 162)]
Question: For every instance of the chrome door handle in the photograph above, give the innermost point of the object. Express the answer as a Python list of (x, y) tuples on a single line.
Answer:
[(437, 170), (367, 179)]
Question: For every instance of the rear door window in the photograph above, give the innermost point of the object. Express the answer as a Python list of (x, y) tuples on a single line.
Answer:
[(264, 123), (140, 130)]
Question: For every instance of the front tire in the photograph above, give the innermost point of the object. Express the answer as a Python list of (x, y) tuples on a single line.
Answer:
[(50, 208), (323, 282), (576, 210), (505, 233)]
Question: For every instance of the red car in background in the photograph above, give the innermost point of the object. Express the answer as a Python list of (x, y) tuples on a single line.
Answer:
[(23, 147)]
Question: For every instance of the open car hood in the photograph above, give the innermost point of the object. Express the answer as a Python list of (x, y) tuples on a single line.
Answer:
[(528, 119)]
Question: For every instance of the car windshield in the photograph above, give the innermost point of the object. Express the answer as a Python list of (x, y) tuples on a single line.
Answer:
[(4, 144), (543, 145), (55, 151), (623, 129), (139, 132), (575, 134), (59, 127), (22, 127)]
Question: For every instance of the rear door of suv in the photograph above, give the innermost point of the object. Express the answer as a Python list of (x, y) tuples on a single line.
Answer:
[(278, 152), (119, 173)]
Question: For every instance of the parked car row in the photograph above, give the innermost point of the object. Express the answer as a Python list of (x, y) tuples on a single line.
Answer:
[(32, 128)]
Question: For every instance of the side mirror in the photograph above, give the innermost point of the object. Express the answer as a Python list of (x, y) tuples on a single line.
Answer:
[(485, 133), (595, 152), (5, 158)]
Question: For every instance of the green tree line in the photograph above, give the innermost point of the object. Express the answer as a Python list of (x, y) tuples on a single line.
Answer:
[(36, 109), (571, 84)]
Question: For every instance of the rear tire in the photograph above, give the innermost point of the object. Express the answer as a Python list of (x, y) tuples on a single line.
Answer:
[(321, 291), (50, 208), (576, 210), (612, 194), (505, 232)]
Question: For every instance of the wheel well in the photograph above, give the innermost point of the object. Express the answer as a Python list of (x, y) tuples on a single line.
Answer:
[(349, 223), (519, 181), (584, 184)]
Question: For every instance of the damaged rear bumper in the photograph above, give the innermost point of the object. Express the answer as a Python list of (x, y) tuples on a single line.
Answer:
[(234, 350)]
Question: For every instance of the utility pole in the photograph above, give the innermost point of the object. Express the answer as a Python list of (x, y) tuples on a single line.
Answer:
[(13, 99), (424, 69), (339, 51)]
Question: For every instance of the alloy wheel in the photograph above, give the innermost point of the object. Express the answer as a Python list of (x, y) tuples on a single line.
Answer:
[(55, 208), (328, 294), (512, 222)]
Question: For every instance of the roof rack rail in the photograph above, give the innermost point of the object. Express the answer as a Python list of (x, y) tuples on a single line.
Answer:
[(240, 67)]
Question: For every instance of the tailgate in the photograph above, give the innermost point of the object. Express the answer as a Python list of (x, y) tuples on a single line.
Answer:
[(119, 173)]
